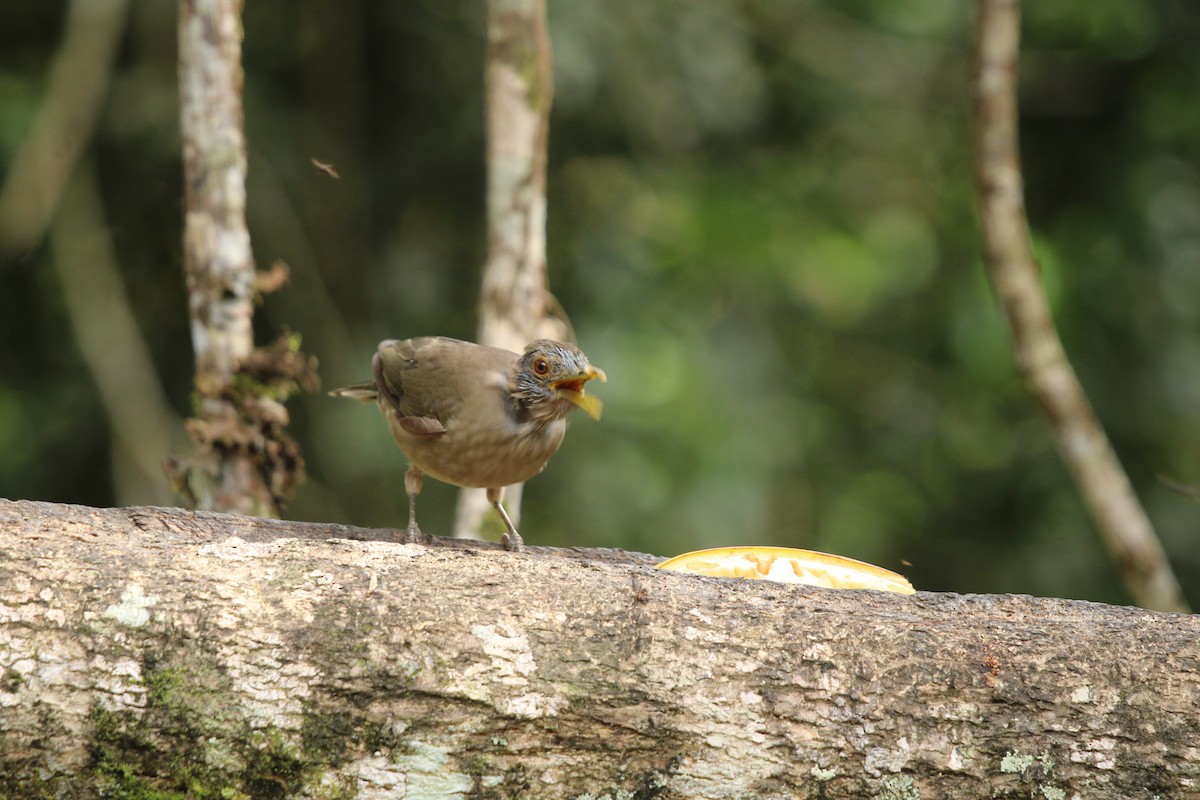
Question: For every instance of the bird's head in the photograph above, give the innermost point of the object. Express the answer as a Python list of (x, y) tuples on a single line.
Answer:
[(550, 377)]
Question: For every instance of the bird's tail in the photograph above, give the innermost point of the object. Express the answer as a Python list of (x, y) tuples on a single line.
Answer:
[(364, 392)]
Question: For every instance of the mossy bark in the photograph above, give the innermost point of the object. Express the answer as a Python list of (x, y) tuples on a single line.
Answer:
[(157, 653)]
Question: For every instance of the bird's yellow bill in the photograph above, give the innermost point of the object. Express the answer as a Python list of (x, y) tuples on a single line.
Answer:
[(572, 389), (789, 565)]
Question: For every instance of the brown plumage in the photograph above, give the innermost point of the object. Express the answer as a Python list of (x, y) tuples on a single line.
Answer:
[(476, 416)]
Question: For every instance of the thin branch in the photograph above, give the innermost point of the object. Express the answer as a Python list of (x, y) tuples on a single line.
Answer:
[(1190, 492), (1120, 518), (79, 79), (515, 306), (144, 426)]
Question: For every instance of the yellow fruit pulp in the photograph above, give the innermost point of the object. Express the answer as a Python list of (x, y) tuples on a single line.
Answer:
[(789, 565)]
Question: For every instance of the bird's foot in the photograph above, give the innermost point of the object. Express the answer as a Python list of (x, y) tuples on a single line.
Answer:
[(412, 535), (512, 542)]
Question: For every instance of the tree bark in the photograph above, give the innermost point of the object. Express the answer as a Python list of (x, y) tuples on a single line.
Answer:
[(207, 655), (244, 461), (1123, 524), (515, 305)]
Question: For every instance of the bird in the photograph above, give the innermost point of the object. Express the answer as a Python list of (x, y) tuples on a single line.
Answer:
[(476, 416)]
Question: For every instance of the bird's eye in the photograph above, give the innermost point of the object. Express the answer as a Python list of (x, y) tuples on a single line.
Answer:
[(541, 366)]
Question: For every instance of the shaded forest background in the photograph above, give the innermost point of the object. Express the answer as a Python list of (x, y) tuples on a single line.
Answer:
[(761, 223)]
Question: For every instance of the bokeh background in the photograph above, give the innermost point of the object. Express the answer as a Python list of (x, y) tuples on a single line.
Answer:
[(761, 223)]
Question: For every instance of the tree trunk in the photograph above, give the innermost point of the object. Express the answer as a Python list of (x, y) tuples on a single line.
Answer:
[(208, 655), (515, 305), (244, 460)]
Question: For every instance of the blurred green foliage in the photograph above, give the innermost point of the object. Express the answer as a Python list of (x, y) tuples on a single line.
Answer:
[(761, 223)]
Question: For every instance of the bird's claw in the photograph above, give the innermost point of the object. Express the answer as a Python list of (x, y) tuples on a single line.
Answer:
[(412, 535), (512, 542)]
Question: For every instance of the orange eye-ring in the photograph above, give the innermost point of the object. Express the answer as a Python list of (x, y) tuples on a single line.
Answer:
[(541, 366)]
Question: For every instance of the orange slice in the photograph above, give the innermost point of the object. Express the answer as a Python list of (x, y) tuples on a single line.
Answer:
[(789, 565)]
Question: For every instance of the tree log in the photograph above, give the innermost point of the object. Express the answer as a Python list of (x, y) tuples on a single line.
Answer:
[(148, 652)]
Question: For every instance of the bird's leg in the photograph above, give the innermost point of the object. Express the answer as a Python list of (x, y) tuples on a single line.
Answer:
[(414, 480), (511, 540)]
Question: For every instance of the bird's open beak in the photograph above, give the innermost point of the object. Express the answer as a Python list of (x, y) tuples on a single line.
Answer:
[(572, 389)]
